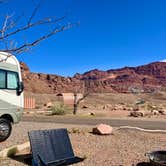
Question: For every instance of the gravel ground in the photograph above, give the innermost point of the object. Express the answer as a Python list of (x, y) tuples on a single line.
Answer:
[(123, 148)]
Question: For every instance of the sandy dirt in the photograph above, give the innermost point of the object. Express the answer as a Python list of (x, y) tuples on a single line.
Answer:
[(124, 147)]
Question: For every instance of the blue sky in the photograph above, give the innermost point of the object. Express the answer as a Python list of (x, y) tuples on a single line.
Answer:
[(111, 34)]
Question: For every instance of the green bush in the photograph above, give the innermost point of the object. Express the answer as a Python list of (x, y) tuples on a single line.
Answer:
[(59, 109), (11, 152)]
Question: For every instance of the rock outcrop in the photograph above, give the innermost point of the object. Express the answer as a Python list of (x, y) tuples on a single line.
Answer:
[(145, 78)]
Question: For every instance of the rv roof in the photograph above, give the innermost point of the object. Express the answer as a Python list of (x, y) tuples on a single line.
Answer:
[(8, 58)]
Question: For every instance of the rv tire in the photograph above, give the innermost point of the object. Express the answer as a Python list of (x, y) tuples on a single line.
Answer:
[(5, 129)]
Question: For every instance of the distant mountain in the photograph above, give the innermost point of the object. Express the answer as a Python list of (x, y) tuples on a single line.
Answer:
[(144, 78)]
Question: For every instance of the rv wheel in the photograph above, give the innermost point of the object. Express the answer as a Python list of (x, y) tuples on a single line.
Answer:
[(5, 129)]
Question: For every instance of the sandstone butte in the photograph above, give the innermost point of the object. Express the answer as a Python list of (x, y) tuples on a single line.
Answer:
[(146, 78)]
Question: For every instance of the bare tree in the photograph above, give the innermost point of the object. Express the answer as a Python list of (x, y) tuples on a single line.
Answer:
[(77, 98), (12, 27)]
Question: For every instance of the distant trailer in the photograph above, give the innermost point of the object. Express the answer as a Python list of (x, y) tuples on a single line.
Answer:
[(68, 98)]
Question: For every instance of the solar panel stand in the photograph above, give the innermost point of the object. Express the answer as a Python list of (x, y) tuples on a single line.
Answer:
[(56, 163), (52, 148)]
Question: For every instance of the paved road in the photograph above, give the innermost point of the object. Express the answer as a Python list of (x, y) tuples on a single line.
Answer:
[(146, 124)]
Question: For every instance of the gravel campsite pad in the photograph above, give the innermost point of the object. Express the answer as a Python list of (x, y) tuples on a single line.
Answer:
[(125, 147)]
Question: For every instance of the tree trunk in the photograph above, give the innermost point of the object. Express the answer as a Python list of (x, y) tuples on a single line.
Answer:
[(75, 109), (75, 105)]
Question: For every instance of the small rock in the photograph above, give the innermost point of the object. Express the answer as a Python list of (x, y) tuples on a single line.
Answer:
[(129, 109), (162, 112), (84, 107), (103, 129), (137, 114), (104, 107), (155, 112), (92, 114), (124, 108), (135, 109), (49, 105)]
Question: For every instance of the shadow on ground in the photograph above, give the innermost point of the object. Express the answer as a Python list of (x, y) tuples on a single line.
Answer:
[(144, 164), (25, 158)]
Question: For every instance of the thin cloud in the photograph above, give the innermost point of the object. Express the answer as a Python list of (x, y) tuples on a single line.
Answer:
[(164, 60)]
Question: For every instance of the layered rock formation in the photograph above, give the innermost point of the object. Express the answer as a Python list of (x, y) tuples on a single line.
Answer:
[(146, 78)]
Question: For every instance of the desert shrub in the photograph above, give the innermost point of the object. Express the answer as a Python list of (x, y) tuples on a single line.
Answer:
[(37, 107), (78, 131), (135, 107), (150, 107), (11, 152), (140, 102), (74, 131), (58, 109)]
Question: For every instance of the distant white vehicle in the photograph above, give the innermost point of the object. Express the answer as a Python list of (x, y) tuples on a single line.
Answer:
[(11, 94)]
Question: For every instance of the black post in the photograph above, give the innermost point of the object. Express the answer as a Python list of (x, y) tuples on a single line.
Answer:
[(75, 104)]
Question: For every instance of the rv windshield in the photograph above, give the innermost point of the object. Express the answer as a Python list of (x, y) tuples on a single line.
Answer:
[(8, 80), (2, 79), (12, 80)]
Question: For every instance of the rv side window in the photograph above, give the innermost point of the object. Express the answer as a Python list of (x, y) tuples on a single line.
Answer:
[(12, 80), (2, 79)]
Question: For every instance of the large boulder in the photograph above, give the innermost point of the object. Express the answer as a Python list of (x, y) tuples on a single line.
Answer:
[(103, 129)]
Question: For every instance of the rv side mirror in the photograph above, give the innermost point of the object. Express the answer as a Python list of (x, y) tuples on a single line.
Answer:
[(20, 88)]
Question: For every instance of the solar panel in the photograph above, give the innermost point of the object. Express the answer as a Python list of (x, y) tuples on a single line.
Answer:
[(52, 147)]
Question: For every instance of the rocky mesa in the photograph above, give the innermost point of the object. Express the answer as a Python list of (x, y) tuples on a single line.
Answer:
[(146, 78)]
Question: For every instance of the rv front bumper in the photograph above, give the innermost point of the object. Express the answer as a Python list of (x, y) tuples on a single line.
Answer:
[(18, 115)]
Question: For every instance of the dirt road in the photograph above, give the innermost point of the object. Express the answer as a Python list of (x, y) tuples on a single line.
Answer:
[(143, 123)]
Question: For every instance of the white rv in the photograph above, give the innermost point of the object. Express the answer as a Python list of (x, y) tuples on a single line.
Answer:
[(11, 96)]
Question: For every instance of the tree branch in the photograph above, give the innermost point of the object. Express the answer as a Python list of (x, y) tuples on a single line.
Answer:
[(28, 26), (3, 60), (11, 29), (34, 12), (84, 96), (37, 41), (4, 25)]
